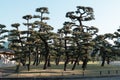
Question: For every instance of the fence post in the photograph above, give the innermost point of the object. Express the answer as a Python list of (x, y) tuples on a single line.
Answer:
[(62, 73), (17, 74), (0, 74), (100, 73)]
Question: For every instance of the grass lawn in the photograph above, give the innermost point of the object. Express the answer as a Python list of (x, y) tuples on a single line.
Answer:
[(93, 69)]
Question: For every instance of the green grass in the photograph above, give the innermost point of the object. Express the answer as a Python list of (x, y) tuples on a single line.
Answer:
[(93, 69), (90, 66)]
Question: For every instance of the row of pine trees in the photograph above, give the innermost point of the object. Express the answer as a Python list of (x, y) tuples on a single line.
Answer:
[(73, 42)]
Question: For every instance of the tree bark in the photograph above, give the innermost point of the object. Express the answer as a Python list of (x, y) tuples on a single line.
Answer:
[(74, 65), (46, 62), (49, 65), (84, 65), (108, 60), (66, 62), (57, 60), (103, 61), (29, 61), (46, 53)]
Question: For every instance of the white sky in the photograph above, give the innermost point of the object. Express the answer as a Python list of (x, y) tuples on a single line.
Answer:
[(107, 12)]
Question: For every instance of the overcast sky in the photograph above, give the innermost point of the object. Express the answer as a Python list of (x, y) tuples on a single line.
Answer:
[(107, 12)]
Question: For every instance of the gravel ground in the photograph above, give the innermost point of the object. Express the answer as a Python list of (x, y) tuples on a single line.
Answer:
[(105, 78), (79, 78)]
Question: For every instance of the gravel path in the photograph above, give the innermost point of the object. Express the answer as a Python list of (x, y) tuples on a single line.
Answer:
[(88, 78)]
